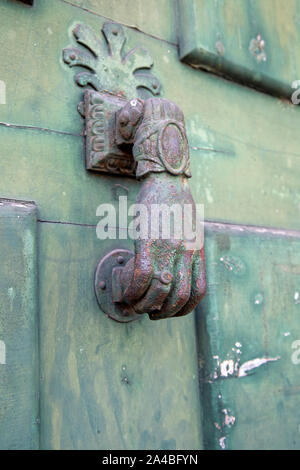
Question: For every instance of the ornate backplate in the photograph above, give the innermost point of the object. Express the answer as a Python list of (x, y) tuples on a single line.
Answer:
[(112, 76)]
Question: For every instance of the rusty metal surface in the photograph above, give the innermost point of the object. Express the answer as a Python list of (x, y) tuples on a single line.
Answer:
[(165, 277), (109, 67), (145, 138), (118, 75), (106, 284), (156, 127), (102, 152)]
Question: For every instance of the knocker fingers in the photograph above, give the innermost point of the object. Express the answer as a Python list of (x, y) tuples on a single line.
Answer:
[(155, 296), (137, 273), (180, 293), (198, 289), (159, 287)]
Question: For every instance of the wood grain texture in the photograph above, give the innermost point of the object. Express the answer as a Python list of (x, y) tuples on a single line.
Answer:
[(154, 17), (19, 391), (107, 385), (244, 144), (51, 170)]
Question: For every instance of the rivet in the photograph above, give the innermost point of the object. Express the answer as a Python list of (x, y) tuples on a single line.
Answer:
[(154, 85), (120, 259), (72, 56), (126, 313), (115, 32), (102, 285)]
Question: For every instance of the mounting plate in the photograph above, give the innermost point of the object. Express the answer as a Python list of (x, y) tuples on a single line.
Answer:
[(118, 311), (102, 152)]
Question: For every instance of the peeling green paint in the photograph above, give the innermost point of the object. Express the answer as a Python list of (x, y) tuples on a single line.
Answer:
[(247, 326)]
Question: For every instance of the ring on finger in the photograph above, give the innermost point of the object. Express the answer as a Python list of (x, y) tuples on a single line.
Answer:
[(165, 277)]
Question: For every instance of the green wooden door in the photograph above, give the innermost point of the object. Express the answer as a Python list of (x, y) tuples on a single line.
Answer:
[(224, 377)]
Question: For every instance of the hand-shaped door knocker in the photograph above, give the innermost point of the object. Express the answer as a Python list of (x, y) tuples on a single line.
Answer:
[(165, 276), (146, 138)]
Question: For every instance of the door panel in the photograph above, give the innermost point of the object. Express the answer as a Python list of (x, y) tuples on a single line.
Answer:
[(244, 144), (249, 339), (253, 42), (19, 375), (107, 385), (57, 178), (137, 15)]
